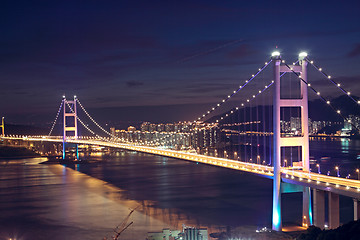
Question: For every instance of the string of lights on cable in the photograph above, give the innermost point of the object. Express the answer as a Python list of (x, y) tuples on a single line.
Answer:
[(232, 111), (319, 95), (254, 96), (98, 125), (233, 93), (57, 116), (338, 85)]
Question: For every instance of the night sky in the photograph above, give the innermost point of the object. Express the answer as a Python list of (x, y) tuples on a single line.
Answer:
[(187, 54)]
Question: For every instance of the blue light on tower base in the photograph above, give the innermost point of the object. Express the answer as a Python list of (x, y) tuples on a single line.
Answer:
[(77, 152), (276, 220), (310, 210), (63, 150)]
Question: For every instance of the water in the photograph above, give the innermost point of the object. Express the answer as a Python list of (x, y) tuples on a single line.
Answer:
[(39, 201)]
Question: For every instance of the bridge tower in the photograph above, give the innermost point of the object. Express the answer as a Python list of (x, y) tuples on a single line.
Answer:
[(72, 127), (282, 141), (2, 127)]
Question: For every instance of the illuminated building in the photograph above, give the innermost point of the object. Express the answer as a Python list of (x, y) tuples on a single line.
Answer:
[(131, 129)]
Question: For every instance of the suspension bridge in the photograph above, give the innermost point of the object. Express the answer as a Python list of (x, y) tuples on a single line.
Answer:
[(295, 178)]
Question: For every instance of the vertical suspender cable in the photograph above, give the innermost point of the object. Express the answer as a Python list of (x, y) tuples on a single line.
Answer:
[(251, 133)]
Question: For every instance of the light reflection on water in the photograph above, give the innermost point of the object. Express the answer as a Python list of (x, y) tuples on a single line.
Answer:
[(55, 202)]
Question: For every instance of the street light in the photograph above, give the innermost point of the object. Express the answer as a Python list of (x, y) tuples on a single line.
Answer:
[(318, 167), (337, 169), (357, 170), (285, 161)]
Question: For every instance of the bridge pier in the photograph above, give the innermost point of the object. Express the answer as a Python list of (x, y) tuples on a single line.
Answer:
[(356, 209), (334, 213), (307, 211), (319, 208)]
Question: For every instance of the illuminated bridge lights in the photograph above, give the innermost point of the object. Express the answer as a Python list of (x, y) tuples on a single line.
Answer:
[(297, 175)]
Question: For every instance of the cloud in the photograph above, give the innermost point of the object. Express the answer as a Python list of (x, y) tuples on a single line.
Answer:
[(355, 51), (133, 84)]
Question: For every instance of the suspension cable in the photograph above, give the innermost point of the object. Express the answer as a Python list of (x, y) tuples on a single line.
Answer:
[(98, 125), (248, 100), (338, 85), (57, 115), (233, 93), (321, 97)]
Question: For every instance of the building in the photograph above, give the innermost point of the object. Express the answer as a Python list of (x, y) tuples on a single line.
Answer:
[(165, 234), (131, 129), (295, 124), (195, 234), (188, 233)]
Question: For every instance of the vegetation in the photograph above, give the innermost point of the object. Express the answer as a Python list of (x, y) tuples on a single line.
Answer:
[(14, 152), (349, 231)]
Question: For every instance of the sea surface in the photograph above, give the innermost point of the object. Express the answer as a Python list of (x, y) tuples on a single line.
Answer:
[(87, 201)]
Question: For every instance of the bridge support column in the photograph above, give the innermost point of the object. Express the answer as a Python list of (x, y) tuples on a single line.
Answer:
[(276, 211), (334, 213), (356, 209), (2, 127), (73, 113), (307, 211), (302, 141), (319, 208)]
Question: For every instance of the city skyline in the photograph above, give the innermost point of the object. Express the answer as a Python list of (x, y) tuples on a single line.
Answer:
[(149, 56)]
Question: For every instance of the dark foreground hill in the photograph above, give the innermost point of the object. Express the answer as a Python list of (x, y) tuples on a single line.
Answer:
[(349, 231)]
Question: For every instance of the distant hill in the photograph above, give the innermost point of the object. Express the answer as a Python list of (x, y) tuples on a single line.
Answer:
[(25, 130)]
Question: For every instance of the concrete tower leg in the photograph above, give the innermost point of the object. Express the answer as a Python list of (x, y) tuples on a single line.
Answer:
[(334, 214), (319, 208), (2, 127), (356, 209), (276, 214), (307, 211), (64, 126)]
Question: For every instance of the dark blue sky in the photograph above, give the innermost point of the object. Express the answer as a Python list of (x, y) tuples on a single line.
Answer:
[(117, 54)]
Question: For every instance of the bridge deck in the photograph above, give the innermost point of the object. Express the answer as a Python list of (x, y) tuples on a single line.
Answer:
[(342, 186)]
